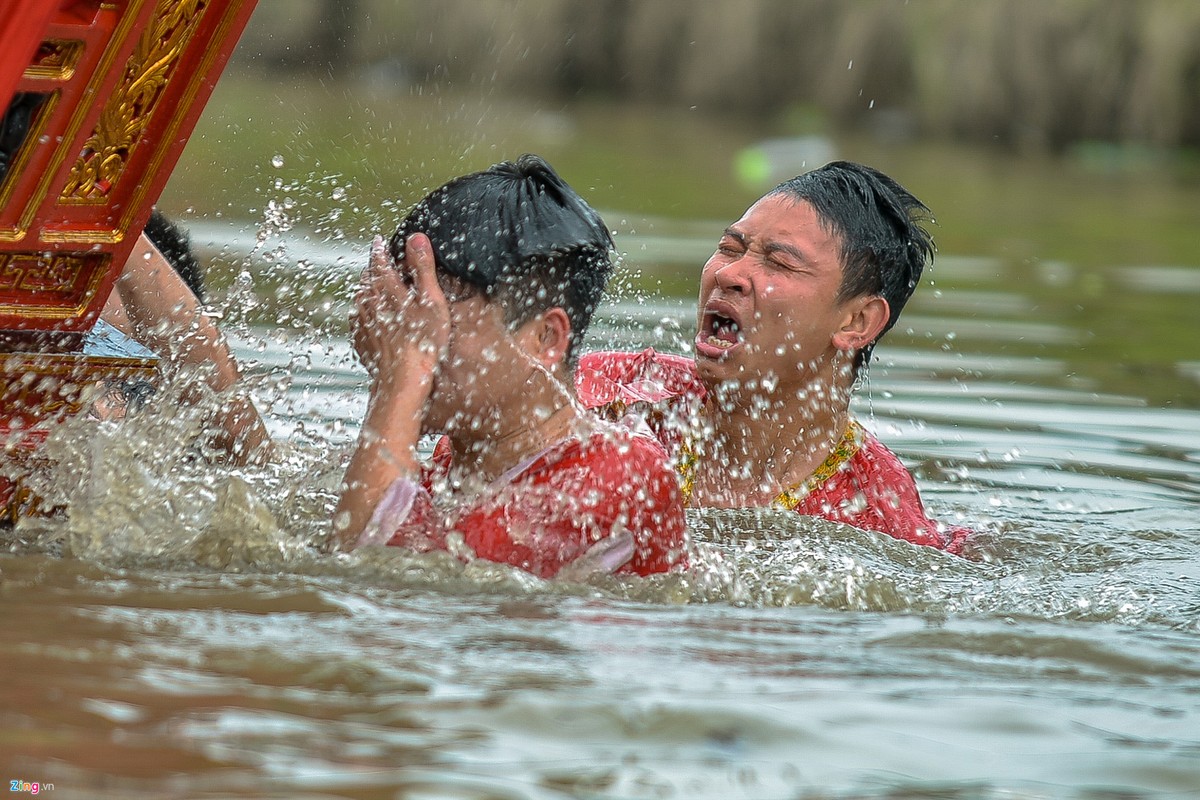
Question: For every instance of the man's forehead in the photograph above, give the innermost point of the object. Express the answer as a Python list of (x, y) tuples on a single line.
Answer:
[(780, 220)]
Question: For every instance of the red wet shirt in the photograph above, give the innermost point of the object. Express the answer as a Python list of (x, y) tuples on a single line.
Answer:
[(862, 483), (546, 513)]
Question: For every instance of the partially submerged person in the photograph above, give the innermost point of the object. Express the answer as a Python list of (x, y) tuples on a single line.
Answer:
[(470, 329), (157, 301), (791, 304)]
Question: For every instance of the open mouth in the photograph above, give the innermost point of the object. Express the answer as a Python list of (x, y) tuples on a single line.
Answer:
[(720, 331)]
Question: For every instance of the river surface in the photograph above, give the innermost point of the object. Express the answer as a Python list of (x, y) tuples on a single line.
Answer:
[(179, 634)]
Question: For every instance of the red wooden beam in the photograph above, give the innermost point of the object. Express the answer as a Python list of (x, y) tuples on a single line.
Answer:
[(100, 97)]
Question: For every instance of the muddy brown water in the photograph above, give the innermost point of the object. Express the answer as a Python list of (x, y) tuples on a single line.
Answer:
[(180, 636)]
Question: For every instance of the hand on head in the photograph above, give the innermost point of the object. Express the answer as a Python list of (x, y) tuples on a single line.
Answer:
[(401, 318)]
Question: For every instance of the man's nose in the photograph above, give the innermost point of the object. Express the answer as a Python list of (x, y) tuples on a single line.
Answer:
[(734, 276)]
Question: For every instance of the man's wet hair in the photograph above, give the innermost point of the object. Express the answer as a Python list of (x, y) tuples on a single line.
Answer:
[(519, 235), (884, 244), (176, 247)]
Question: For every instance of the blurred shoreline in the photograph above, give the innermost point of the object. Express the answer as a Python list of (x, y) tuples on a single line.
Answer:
[(1024, 75)]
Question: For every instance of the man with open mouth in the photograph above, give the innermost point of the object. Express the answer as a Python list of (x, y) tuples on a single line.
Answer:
[(791, 304)]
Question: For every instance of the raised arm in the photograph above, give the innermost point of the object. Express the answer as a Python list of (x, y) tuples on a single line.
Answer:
[(154, 306), (400, 326)]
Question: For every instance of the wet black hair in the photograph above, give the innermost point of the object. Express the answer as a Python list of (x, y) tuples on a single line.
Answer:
[(518, 234), (176, 247), (885, 246)]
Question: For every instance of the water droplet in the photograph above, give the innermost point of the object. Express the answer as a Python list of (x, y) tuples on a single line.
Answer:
[(277, 161)]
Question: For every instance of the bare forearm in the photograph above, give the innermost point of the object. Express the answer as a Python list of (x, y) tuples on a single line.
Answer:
[(168, 319), (200, 348), (400, 327), (239, 432), (386, 451), (153, 304)]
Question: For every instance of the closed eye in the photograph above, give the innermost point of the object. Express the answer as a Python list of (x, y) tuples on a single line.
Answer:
[(731, 245), (787, 257), (787, 265)]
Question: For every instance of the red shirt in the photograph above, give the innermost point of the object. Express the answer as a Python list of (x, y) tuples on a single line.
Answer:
[(862, 483), (545, 514)]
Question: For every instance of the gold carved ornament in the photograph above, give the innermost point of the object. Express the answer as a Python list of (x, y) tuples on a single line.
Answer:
[(59, 279), (128, 112), (29, 273), (55, 60)]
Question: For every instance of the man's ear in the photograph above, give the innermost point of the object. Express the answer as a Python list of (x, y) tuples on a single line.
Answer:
[(865, 319), (546, 337)]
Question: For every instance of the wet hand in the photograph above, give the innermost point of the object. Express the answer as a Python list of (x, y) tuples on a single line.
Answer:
[(401, 318)]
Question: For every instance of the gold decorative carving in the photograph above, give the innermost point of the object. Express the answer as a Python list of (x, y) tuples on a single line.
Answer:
[(29, 273), (55, 60), (85, 236), (66, 144), (24, 503), (187, 99), (73, 277), (128, 112)]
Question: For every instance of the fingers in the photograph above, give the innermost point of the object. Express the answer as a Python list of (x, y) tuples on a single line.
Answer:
[(380, 260), (400, 320), (418, 255), (379, 271), (375, 265), (382, 297)]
